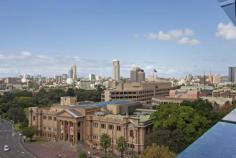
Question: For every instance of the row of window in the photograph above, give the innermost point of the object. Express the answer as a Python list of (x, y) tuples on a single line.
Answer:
[(110, 127)]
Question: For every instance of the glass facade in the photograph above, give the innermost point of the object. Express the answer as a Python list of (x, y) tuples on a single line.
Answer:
[(218, 142), (229, 8)]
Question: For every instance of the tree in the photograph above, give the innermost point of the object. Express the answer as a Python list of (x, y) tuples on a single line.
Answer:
[(175, 140), (105, 142), (121, 145), (29, 132), (82, 155), (155, 151)]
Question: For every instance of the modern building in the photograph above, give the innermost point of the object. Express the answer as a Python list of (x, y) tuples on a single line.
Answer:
[(232, 74), (92, 77), (137, 75), (72, 123), (73, 73), (116, 70), (137, 91), (230, 9)]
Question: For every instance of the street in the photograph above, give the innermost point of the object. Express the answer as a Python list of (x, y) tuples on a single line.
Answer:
[(8, 137)]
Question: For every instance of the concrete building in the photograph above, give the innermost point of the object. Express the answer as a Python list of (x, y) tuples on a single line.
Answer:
[(73, 73), (225, 92), (177, 97), (92, 77), (74, 123), (137, 75), (116, 70), (232, 74), (137, 91)]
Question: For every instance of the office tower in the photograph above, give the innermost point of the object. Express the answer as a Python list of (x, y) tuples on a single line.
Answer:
[(116, 70), (230, 8), (137, 75), (92, 77), (232, 74), (73, 73)]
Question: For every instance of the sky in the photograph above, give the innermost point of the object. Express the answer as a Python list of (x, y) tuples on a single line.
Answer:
[(175, 37)]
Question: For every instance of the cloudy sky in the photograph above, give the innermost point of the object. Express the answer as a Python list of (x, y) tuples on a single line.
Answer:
[(175, 37)]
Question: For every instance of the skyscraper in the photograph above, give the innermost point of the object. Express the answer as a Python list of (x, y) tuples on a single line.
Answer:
[(230, 8), (137, 75), (73, 73), (116, 70), (232, 74)]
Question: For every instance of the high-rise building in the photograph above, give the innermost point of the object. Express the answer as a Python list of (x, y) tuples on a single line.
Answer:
[(73, 73), (92, 77), (116, 70), (232, 74), (230, 9), (137, 75)]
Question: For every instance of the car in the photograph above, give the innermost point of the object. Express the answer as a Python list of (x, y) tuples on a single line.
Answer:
[(6, 148)]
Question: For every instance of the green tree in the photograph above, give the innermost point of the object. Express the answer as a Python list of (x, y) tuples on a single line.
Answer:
[(155, 151), (176, 140), (82, 155), (121, 145), (29, 132), (105, 142)]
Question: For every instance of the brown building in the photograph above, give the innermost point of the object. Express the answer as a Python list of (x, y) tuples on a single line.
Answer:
[(137, 91), (225, 92), (76, 123)]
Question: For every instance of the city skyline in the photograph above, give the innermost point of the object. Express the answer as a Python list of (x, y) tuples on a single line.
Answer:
[(56, 35)]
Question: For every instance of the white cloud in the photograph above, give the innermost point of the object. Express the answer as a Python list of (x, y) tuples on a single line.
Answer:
[(226, 31), (188, 41), (175, 35)]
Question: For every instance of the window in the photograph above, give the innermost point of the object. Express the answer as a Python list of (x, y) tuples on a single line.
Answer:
[(118, 128), (111, 127), (44, 117), (95, 124), (78, 124), (34, 118), (103, 125), (131, 133), (54, 118), (50, 118)]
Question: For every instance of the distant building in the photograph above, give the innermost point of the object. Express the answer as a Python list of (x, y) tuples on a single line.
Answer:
[(73, 73), (137, 91), (116, 70), (232, 74), (92, 77), (176, 96), (137, 75), (58, 79)]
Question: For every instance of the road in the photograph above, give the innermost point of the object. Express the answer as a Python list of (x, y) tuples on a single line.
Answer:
[(8, 137)]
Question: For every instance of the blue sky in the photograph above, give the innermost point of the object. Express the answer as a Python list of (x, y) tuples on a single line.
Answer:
[(175, 37)]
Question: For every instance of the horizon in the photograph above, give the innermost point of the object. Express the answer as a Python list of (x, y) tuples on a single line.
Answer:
[(48, 37)]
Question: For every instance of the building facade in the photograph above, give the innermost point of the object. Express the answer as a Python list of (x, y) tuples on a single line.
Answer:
[(116, 70), (137, 75), (232, 74), (85, 123), (137, 91)]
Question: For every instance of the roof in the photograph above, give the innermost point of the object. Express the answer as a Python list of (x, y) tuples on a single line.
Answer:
[(73, 112), (114, 102)]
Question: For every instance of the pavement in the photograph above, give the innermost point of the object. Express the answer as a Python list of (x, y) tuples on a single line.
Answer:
[(13, 140)]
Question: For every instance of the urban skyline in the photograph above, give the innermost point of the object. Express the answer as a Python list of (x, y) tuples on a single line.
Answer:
[(38, 44)]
